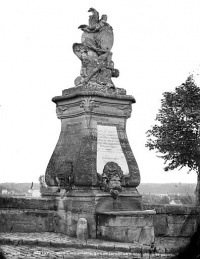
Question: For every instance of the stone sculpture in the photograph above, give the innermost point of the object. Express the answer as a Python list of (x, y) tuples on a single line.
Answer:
[(92, 172), (82, 230), (111, 179), (94, 52)]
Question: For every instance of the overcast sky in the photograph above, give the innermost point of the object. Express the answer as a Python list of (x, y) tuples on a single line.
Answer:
[(156, 46)]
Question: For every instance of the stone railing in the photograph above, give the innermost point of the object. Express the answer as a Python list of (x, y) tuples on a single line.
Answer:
[(175, 220)]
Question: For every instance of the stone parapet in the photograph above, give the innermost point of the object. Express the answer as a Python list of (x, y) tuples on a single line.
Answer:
[(61, 215), (28, 215), (28, 203), (16, 220), (174, 220)]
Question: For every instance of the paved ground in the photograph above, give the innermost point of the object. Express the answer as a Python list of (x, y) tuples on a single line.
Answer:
[(41, 252), (56, 245)]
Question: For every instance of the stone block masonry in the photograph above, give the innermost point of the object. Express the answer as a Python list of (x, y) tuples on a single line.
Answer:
[(57, 215), (174, 220), (27, 215), (126, 226)]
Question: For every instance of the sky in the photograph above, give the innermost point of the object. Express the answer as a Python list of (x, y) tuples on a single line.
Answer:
[(156, 46)]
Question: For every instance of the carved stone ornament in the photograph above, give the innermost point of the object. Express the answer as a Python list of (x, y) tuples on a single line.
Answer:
[(65, 180), (127, 109), (94, 52), (112, 179), (60, 110), (88, 104), (62, 177)]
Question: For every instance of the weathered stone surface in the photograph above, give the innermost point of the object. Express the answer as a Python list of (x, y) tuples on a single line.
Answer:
[(26, 220), (61, 215), (143, 235), (181, 229), (81, 113), (126, 226), (61, 242), (82, 230), (147, 235), (84, 202), (98, 90), (126, 221), (94, 52), (175, 221), (171, 209), (112, 233), (160, 224), (27, 203), (124, 202)]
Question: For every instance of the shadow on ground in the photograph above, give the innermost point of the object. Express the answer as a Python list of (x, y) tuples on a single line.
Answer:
[(192, 250), (2, 255)]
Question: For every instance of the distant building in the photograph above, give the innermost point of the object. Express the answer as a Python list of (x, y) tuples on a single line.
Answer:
[(4, 191), (175, 202), (19, 195), (163, 195), (28, 195), (33, 193), (36, 193)]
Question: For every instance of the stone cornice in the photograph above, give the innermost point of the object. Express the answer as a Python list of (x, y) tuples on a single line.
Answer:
[(94, 93)]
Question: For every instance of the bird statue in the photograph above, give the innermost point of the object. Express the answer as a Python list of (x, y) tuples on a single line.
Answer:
[(94, 51), (93, 21), (94, 18)]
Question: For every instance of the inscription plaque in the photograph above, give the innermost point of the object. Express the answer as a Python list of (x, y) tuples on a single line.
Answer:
[(109, 149)]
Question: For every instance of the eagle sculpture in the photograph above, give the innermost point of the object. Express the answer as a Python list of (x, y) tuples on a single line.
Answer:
[(94, 18), (93, 21), (94, 51)]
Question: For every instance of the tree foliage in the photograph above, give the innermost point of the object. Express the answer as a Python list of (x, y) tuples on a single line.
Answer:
[(176, 134)]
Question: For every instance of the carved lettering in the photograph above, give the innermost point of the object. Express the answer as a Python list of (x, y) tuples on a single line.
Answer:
[(109, 148)]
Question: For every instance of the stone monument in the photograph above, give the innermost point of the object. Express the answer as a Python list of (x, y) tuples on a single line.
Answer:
[(92, 172)]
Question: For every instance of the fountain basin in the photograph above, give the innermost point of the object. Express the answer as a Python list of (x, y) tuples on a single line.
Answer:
[(126, 226)]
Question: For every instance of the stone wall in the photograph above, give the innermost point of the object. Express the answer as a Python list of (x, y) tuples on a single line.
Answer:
[(175, 220), (49, 215), (27, 215)]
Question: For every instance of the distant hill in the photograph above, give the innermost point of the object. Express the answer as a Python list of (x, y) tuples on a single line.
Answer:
[(167, 188), (19, 187), (146, 188)]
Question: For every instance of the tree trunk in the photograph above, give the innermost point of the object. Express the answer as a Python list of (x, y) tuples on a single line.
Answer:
[(197, 191)]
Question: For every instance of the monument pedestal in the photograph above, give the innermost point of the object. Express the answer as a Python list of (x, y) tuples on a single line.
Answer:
[(88, 202), (93, 133), (92, 169)]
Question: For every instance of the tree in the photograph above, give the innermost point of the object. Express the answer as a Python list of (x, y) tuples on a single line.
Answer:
[(176, 135), (164, 200)]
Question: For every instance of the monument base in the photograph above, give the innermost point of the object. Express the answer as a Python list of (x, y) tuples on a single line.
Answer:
[(92, 168), (87, 202), (126, 226)]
